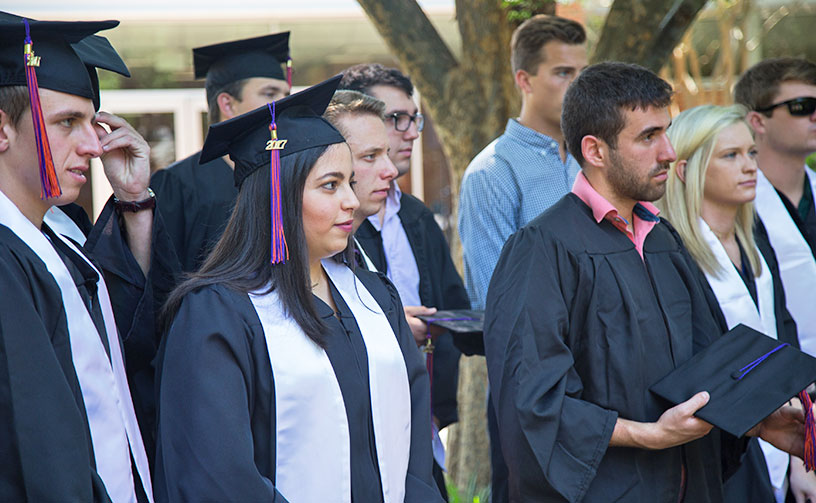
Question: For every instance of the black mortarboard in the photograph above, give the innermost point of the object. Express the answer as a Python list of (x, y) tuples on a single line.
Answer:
[(61, 68), (747, 374), (97, 52), (258, 139), (465, 326), (228, 62), (39, 54)]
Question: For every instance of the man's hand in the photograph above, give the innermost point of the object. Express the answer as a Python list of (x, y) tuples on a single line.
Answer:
[(802, 483), (126, 157), (784, 429), (676, 426), (418, 327)]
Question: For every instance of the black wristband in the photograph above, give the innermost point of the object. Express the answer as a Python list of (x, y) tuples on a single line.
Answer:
[(134, 206)]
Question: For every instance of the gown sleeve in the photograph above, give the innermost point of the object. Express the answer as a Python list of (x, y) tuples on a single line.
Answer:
[(552, 439), (207, 390), (420, 486)]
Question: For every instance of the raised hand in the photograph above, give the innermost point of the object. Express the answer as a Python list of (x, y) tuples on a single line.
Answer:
[(126, 157)]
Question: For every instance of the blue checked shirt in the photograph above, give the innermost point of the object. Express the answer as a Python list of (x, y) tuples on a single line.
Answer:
[(515, 178)]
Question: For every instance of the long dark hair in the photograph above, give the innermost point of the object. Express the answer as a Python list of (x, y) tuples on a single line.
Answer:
[(240, 260)]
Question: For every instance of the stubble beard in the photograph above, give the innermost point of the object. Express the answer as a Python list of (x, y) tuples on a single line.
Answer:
[(625, 182)]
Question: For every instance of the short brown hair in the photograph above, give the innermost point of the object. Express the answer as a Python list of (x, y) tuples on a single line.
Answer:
[(758, 86), (535, 33), (14, 101), (234, 89), (347, 102)]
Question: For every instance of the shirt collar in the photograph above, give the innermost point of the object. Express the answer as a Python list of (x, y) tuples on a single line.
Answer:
[(532, 137), (601, 207)]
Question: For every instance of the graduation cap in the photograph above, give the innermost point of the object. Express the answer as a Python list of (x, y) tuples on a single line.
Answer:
[(748, 376), (260, 138), (465, 326), (97, 52), (43, 54), (229, 62)]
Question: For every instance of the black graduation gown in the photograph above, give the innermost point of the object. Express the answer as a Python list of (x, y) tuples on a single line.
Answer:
[(439, 286), (136, 301), (196, 201), (577, 328), (750, 482), (217, 406), (46, 452)]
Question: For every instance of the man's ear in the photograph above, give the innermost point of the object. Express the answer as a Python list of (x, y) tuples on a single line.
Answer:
[(594, 150), (680, 169), (757, 121), (226, 105), (523, 81), (7, 131)]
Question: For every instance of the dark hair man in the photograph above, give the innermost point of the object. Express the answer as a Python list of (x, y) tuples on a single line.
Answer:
[(68, 430), (404, 241), (522, 172), (780, 95), (593, 302), (196, 200)]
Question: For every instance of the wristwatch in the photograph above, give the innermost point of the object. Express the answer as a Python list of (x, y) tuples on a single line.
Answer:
[(134, 206)]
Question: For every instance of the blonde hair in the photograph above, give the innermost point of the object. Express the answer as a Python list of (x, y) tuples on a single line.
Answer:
[(694, 135)]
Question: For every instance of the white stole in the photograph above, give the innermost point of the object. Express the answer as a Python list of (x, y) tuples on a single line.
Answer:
[(62, 224), (738, 307), (311, 427), (797, 267), (112, 422), (387, 377)]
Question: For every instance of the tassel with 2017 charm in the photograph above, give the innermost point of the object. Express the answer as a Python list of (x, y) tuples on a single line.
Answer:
[(279, 248), (48, 176)]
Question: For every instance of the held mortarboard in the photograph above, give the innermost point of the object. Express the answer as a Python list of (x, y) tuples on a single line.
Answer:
[(260, 138), (229, 62), (748, 376), (42, 54), (465, 326)]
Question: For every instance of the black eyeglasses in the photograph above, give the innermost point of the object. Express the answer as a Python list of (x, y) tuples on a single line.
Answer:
[(402, 121), (798, 107)]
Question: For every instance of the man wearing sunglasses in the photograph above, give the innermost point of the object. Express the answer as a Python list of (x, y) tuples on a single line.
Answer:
[(780, 95), (404, 241)]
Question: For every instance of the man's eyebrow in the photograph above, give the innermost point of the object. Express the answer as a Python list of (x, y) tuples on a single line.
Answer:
[(403, 111), (69, 114), (650, 130)]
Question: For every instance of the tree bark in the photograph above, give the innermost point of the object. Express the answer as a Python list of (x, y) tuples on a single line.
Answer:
[(645, 31)]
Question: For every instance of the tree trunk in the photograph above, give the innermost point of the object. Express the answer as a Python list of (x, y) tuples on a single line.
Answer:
[(645, 31)]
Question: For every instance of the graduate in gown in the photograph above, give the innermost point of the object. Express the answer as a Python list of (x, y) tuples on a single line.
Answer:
[(68, 427), (136, 295), (780, 94), (591, 304), (196, 199), (287, 376), (709, 200)]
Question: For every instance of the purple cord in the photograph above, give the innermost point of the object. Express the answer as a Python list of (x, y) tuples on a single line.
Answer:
[(751, 366)]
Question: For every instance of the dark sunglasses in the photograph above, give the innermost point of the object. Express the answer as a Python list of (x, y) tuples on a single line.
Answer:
[(798, 107)]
